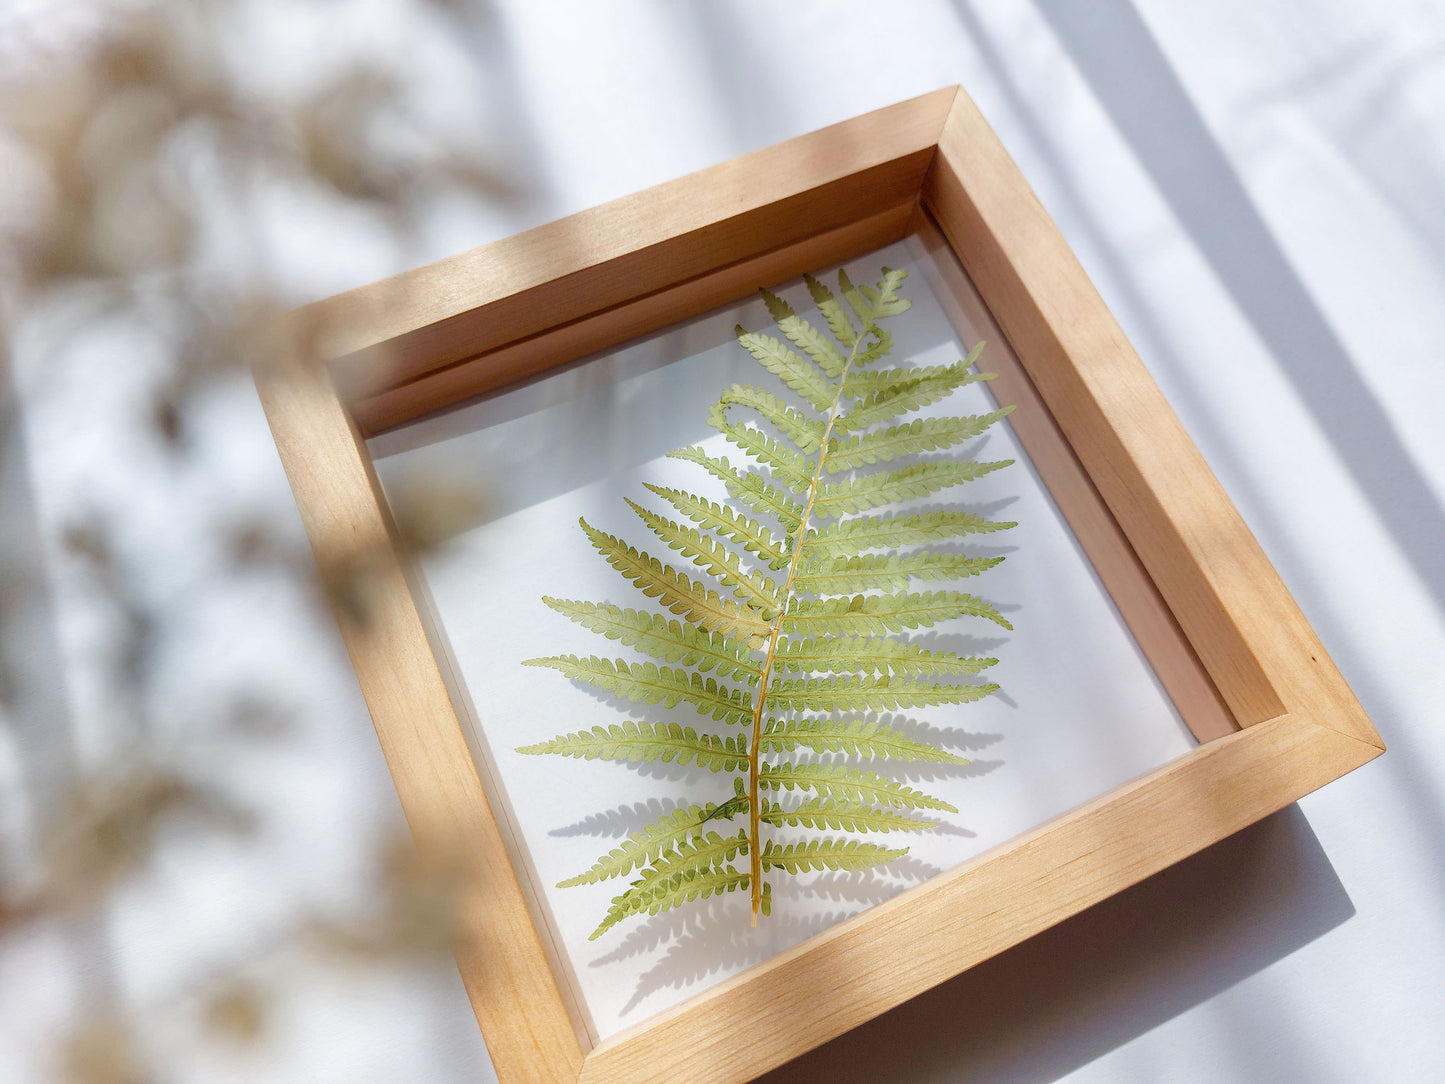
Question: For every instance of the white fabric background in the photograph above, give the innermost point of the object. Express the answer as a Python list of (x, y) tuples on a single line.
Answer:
[(1256, 188)]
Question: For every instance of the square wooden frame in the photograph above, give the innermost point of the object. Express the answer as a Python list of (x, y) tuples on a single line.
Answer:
[(399, 350)]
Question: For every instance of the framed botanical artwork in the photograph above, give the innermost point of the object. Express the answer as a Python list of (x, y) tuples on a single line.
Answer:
[(846, 606)]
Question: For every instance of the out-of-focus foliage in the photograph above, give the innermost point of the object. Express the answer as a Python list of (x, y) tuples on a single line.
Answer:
[(159, 165)]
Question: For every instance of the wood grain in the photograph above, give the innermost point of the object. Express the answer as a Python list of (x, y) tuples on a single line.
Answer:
[(502, 959), (392, 332), (1155, 631), (1248, 632), (852, 972), (447, 387)]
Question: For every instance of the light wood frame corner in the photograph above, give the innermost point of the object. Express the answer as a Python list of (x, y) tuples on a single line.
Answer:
[(423, 341)]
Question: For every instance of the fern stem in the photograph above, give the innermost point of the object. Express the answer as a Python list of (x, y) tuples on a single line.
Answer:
[(755, 848)]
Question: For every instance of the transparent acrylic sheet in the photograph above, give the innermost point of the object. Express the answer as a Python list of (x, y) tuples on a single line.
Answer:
[(1080, 711)]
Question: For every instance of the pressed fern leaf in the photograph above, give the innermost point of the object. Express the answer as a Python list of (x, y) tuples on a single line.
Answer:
[(649, 844), (886, 532), (842, 854), (698, 865), (843, 815), (711, 557), (670, 641), (874, 615), (839, 781), (803, 431), (919, 435), (907, 483), (645, 742), (801, 619), (858, 737), (751, 489), (844, 575), (749, 533), (693, 601), (655, 685), (867, 694), (876, 655)]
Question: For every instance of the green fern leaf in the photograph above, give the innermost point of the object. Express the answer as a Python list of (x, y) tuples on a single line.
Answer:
[(912, 482), (793, 424), (787, 465), (885, 572), (900, 398), (748, 488), (826, 643), (867, 694), (852, 656), (920, 435), (641, 743), (873, 304), (679, 594), (749, 533), (837, 781), (875, 615), (842, 815), (841, 854), (801, 375), (857, 737), (696, 869), (804, 335), (648, 844), (664, 639), (833, 311), (704, 552), (652, 684), (891, 532)]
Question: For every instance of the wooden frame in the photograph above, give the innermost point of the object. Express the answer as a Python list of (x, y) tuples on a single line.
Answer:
[(429, 339)]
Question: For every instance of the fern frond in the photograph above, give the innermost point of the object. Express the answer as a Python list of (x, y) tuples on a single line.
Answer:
[(900, 398), (788, 466), (663, 638), (803, 431), (652, 684), (682, 596), (833, 311), (853, 656), (852, 536), (801, 375), (874, 615), (704, 552), (842, 854), (748, 488), (912, 482), (874, 303), (648, 844), (696, 869), (857, 737), (843, 815), (885, 572), (837, 781), (641, 743), (804, 335), (868, 694), (749, 533), (918, 436)]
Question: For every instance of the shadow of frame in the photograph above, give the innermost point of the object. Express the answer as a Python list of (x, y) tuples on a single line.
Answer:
[(1106, 976)]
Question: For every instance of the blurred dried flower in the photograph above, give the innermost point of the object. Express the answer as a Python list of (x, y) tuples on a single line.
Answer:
[(237, 1011), (418, 915), (102, 1051)]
